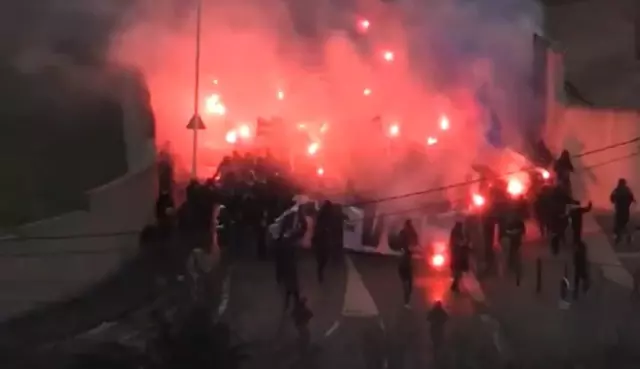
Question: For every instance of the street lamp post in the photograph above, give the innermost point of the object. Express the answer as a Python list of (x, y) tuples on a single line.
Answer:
[(196, 94)]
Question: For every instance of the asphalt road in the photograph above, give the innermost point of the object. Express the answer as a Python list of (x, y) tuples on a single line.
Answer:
[(359, 318)]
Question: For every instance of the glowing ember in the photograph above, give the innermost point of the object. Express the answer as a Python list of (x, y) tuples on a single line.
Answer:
[(545, 174), (388, 56), (394, 130), (444, 123), (213, 105), (515, 187), (363, 25), (231, 137), (244, 131), (478, 200), (313, 148), (367, 92), (437, 260), (432, 141)]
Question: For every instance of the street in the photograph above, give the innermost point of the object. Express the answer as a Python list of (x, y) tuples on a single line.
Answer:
[(359, 317)]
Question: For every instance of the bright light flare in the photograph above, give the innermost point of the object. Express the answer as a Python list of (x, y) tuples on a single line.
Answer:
[(432, 141), (444, 123), (515, 187), (313, 148), (363, 25), (388, 56), (478, 200), (366, 92), (545, 174), (280, 95), (244, 131), (394, 130), (439, 255), (213, 105), (437, 260), (231, 137), (320, 172)]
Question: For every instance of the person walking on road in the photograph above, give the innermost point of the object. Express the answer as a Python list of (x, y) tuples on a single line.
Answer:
[(437, 319), (622, 198), (407, 241), (514, 231), (321, 239), (460, 249), (405, 270), (576, 214)]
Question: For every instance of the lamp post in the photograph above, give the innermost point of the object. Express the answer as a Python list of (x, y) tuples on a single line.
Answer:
[(196, 94)]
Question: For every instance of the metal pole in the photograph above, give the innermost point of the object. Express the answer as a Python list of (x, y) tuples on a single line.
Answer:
[(196, 94)]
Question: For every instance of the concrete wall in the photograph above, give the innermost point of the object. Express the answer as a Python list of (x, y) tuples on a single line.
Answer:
[(582, 129), (39, 271)]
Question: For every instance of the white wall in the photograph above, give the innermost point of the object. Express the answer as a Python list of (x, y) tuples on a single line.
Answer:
[(35, 272), (580, 129)]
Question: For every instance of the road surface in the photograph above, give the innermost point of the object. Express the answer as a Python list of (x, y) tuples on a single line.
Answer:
[(359, 318)]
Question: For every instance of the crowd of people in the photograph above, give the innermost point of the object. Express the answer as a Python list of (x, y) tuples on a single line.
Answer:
[(235, 208)]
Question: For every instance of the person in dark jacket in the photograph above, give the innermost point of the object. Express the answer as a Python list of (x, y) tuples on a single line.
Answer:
[(515, 231), (576, 213), (622, 198), (563, 168), (405, 271), (321, 240), (460, 250), (437, 318)]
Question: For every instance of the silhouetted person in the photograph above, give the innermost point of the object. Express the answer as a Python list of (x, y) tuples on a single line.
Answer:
[(563, 168), (405, 271), (576, 215), (437, 318), (514, 231), (622, 198), (460, 250), (322, 237)]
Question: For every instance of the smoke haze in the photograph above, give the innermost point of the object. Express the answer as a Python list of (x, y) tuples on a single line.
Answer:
[(312, 51)]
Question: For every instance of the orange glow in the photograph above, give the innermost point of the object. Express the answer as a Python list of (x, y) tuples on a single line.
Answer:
[(231, 137), (366, 92), (388, 56), (313, 148), (213, 105), (394, 130), (515, 187), (280, 95), (320, 172), (432, 141), (244, 131), (444, 123), (478, 200)]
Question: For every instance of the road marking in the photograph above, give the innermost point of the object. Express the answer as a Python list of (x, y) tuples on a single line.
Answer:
[(334, 327), (357, 300)]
